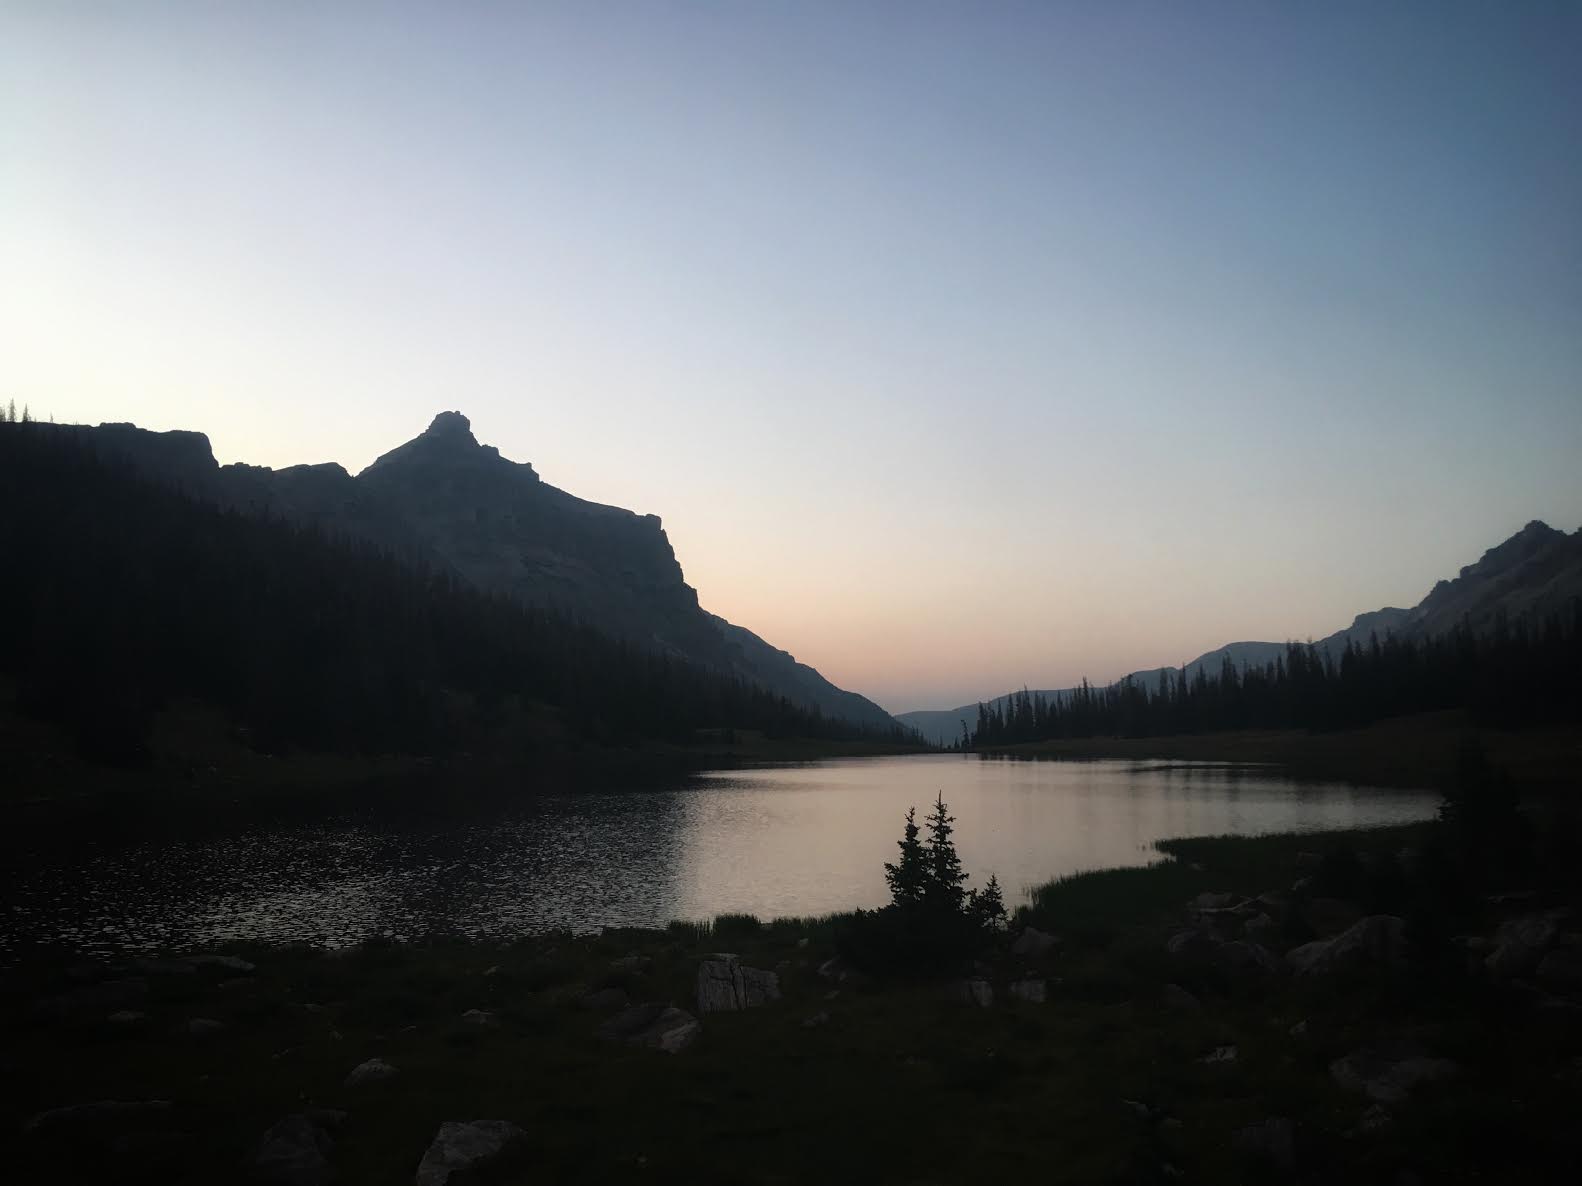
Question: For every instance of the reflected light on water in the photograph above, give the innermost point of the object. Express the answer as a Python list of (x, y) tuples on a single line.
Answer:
[(799, 840)]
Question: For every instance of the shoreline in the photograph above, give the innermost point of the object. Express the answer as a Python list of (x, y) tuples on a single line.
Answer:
[(1094, 1054), (1415, 752)]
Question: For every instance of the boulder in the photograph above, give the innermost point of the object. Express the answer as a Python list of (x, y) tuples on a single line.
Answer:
[(836, 970), (1275, 903), (1388, 1074), (1262, 930), (1179, 1000), (1327, 917), (1376, 942), (816, 1020), (1561, 970), (1242, 960), (1031, 990), (464, 1147), (1192, 946), (1519, 946), (1033, 943), (375, 1070), (482, 1018), (127, 1017), (1272, 1141), (658, 1027), (1222, 924), (295, 1151), (726, 986), (1215, 900), (1221, 1054)]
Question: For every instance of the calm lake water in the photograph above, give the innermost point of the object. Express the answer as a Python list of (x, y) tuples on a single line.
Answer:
[(792, 840)]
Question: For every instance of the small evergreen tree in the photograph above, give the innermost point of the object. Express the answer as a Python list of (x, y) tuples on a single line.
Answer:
[(944, 892), (987, 906), (908, 877)]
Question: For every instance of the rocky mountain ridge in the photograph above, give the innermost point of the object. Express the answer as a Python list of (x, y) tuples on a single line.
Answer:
[(444, 500), (1537, 570)]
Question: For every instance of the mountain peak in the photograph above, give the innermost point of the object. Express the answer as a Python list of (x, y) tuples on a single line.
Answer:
[(447, 443), (451, 425)]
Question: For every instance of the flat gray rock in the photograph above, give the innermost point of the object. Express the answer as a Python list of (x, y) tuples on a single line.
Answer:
[(375, 1070), (1519, 946), (1377, 942), (1388, 1075), (462, 1147), (725, 985), (658, 1027)]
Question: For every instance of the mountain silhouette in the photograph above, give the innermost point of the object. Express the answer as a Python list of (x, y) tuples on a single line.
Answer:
[(445, 500), (1536, 571)]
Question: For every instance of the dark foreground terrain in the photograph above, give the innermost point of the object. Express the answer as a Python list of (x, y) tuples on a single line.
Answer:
[(1274, 1009)]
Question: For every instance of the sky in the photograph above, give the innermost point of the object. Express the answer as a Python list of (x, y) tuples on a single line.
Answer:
[(960, 346)]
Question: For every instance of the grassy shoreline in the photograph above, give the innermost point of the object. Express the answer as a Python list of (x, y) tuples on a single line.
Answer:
[(837, 1081), (1412, 752)]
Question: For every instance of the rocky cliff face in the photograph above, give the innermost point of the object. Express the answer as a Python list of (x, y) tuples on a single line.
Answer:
[(445, 500), (1538, 570), (497, 524)]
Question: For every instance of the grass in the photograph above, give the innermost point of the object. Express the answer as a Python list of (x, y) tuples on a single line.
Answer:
[(900, 1084), (1411, 751)]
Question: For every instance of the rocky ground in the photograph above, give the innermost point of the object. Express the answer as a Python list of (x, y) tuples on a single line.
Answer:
[(1244, 1012)]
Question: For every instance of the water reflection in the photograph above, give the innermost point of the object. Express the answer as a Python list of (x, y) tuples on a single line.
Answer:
[(787, 840)]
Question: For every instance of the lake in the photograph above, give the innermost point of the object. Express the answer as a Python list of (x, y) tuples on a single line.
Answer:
[(791, 840)]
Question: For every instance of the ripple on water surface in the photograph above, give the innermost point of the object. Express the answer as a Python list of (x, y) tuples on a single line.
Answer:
[(794, 840)]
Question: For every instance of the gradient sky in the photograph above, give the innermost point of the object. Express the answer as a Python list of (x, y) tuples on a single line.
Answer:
[(960, 346)]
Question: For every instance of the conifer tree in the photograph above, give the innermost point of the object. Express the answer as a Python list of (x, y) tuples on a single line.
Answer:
[(908, 877), (943, 892)]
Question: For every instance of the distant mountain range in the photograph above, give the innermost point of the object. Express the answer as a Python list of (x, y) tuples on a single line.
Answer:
[(1537, 570), (446, 501)]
